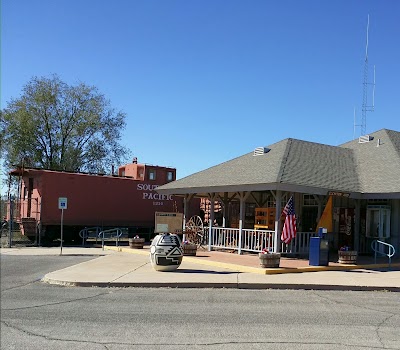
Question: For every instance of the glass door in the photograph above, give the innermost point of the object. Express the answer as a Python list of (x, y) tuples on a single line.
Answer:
[(378, 221)]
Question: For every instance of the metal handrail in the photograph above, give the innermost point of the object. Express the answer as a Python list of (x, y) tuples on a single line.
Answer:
[(85, 233), (110, 231), (389, 254)]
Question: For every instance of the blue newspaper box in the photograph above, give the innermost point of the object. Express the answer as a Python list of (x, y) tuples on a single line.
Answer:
[(319, 250)]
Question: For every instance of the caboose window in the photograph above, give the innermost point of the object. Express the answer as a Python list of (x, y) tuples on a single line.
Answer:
[(170, 176), (152, 174)]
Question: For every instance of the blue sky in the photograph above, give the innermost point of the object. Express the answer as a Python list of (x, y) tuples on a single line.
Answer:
[(206, 81)]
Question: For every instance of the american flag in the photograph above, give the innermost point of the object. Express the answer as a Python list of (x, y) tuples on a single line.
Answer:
[(289, 228)]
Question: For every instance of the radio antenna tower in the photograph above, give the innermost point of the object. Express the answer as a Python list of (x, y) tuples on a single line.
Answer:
[(365, 106)]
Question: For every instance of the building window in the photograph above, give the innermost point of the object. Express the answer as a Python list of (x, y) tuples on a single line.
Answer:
[(170, 175), (309, 200), (378, 201), (152, 174)]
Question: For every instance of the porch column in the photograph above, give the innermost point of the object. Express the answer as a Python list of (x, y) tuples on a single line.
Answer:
[(395, 224), (225, 204), (243, 196), (224, 209), (211, 220), (357, 220), (185, 213), (277, 240)]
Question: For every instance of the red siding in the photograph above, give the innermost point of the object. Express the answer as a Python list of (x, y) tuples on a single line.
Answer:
[(95, 200)]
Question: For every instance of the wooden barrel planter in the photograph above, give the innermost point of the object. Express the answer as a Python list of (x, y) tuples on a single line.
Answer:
[(347, 256), (270, 260), (189, 249), (136, 243)]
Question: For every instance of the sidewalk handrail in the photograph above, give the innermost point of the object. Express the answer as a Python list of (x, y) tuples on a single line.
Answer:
[(117, 235), (87, 233), (389, 254)]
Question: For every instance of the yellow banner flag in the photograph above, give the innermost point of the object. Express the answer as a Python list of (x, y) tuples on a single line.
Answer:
[(326, 219)]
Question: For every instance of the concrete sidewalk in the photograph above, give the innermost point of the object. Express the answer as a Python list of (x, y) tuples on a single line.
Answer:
[(125, 267)]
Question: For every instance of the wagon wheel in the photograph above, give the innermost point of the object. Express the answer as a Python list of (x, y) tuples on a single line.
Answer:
[(195, 231)]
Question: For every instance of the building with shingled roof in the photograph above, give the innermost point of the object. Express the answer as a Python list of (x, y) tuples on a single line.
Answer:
[(361, 176)]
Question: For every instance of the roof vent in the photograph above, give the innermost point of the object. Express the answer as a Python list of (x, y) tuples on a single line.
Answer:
[(260, 151), (365, 138)]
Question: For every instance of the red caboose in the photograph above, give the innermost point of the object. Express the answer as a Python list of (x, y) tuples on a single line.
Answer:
[(127, 200)]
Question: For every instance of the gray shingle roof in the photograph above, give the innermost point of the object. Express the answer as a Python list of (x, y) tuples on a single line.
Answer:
[(322, 166), (295, 164), (378, 166)]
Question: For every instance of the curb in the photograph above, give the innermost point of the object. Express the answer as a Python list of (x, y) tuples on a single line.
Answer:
[(206, 285), (264, 271)]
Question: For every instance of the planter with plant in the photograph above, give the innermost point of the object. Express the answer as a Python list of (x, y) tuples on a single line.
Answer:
[(268, 259)]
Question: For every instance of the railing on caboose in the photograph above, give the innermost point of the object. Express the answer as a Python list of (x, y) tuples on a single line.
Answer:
[(22, 208), (24, 214)]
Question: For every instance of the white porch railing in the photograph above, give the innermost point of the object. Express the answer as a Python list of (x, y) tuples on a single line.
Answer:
[(300, 244), (257, 240), (225, 238)]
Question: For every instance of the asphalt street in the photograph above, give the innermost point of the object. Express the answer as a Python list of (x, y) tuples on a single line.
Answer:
[(36, 315), (27, 269)]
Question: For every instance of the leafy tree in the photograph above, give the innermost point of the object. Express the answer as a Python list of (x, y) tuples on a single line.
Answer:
[(56, 126)]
